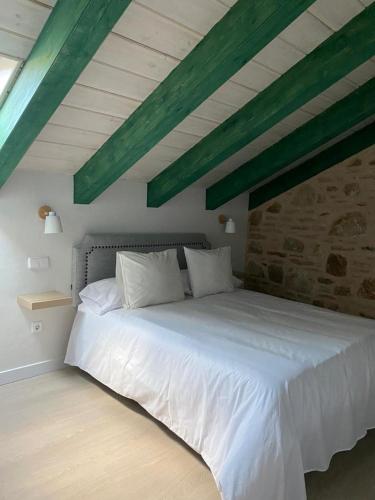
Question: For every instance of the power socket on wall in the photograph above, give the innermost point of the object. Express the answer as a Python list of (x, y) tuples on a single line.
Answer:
[(36, 326)]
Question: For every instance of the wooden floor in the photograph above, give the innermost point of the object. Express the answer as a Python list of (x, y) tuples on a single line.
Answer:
[(63, 436)]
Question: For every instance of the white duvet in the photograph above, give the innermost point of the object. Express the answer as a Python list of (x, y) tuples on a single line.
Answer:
[(263, 388)]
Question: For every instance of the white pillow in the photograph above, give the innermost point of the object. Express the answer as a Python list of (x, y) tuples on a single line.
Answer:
[(237, 283), (210, 271), (149, 278), (102, 296)]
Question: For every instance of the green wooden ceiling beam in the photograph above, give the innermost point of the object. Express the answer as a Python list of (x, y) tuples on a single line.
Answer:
[(335, 154), (334, 121), (71, 36), (230, 44), (336, 57)]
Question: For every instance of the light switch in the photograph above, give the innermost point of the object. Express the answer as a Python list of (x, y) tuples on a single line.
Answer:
[(37, 263)]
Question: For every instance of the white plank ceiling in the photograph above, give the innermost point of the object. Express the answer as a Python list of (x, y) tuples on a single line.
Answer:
[(150, 39)]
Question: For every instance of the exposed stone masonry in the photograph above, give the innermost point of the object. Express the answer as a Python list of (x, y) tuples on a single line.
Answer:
[(316, 243)]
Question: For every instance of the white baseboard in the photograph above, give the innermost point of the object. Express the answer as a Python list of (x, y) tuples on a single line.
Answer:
[(32, 370)]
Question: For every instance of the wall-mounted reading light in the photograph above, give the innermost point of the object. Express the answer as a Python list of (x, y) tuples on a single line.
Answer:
[(230, 225), (52, 224)]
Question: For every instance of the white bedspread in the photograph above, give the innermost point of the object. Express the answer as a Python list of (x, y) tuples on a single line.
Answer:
[(263, 388)]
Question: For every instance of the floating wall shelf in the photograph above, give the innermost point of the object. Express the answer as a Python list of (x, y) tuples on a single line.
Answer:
[(33, 301)]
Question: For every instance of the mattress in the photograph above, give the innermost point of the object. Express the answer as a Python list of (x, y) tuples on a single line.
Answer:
[(263, 388)]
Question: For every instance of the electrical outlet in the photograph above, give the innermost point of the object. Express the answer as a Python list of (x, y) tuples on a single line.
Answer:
[(36, 326)]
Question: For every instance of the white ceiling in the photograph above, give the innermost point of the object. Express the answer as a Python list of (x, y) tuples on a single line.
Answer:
[(150, 39)]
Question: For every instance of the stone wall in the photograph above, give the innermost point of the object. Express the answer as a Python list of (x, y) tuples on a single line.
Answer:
[(316, 242)]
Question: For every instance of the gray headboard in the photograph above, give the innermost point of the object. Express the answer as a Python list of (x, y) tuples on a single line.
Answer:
[(95, 257)]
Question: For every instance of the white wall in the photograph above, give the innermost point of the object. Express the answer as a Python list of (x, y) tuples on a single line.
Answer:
[(122, 208)]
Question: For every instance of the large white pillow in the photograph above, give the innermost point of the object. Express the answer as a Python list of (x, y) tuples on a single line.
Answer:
[(102, 296), (149, 278), (210, 271)]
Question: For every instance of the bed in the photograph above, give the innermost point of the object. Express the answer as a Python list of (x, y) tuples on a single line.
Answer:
[(263, 388)]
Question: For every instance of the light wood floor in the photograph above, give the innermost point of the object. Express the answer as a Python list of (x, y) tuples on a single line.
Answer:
[(64, 436)]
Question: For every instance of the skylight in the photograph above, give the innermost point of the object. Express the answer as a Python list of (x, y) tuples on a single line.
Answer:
[(8, 69)]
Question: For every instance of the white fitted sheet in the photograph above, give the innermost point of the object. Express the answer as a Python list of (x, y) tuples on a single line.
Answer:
[(263, 388)]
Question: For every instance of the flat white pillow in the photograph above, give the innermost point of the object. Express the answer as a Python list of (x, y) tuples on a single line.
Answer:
[(210, 271), (149, 278), (102, 296), (237, 283)]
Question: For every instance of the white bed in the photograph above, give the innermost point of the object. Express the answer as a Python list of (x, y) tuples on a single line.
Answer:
[(263, 388)]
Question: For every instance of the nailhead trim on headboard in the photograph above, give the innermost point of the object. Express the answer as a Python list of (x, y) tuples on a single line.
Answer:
[(122, 247)]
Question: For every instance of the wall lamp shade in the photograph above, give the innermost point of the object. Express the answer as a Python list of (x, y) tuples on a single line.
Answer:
[(230, 226), (52, 224)]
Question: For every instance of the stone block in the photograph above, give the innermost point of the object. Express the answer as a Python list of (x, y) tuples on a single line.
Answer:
[(275, 208), (299, 282), (276, 273), (367, 289), (352, 189), (293, 245), (355, 163), (256, 218), (305, 196), (336, 265), (349, 224)]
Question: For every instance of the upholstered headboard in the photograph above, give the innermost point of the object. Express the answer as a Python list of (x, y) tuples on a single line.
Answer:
[(95, 257)]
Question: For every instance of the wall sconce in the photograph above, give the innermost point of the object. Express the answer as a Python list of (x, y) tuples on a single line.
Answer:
[(52, 222), (230, 225)]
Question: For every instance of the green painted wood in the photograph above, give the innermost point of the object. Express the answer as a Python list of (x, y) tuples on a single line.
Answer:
[(337, 153), (231, 43), (69, 39), (332, 60), (334, 121)]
